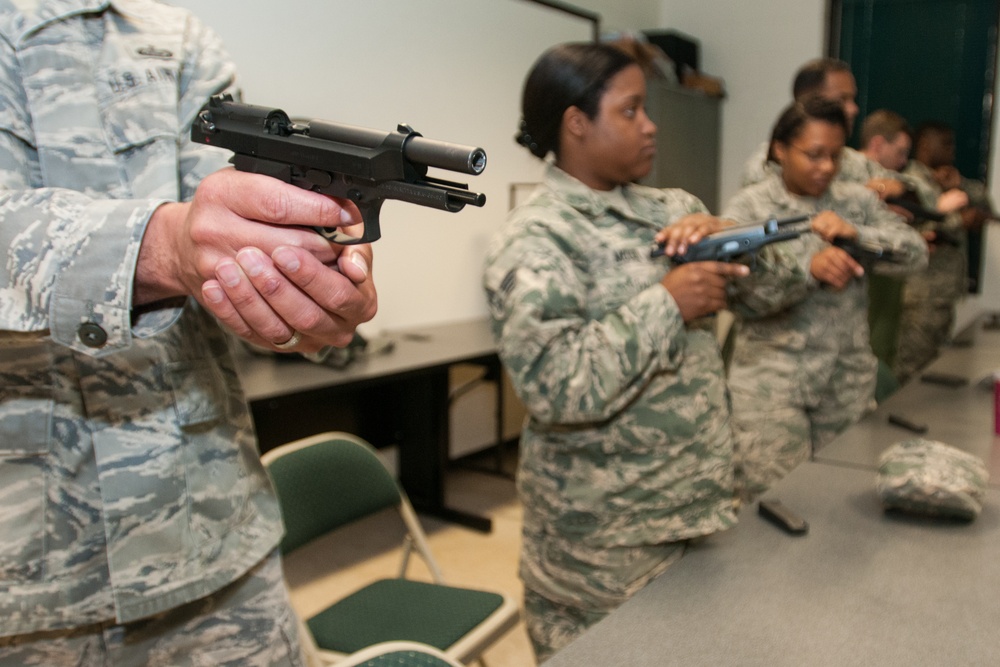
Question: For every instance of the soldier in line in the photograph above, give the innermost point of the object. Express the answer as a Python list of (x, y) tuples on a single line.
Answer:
[(803, 369), (886, 139), (137, 525), (830, 79), (930, 298), (627, 450)]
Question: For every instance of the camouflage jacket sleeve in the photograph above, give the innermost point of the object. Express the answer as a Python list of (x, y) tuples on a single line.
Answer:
[(926, 195), (569, 364), (928, 190), (979, 195), (77, 188), (879, 226), (780, 277)]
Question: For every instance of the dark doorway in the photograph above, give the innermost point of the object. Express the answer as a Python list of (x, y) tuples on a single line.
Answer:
[(927, 60)]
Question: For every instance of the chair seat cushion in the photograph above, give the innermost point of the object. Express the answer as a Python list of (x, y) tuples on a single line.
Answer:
[(401, 609)]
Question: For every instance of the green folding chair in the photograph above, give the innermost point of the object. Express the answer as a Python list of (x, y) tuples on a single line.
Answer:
[(399, 654), (329, 480)]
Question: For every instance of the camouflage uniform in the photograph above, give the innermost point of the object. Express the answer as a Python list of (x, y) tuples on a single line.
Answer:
[(627, 449), (854, 167), (885, 317), (930, 297), (803, 369), (130, 483), (932, 478)]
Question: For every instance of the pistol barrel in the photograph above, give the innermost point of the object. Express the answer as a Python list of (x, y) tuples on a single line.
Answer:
[(430, 152)]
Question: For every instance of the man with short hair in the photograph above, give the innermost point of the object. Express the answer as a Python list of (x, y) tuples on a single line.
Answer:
[(885, 139), (930, 297), (831, 79), (137, 524)]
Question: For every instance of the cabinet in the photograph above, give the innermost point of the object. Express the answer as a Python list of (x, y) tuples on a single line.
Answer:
[(688, 127)]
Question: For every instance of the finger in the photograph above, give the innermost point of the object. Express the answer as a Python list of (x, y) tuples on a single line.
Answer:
[(821, 224), (229, 208), (348, 207), (848, 269), (671, 239), (290, 306), (345, 303), (247, 297), (217, 302), (355, 263), (849, 265), (730, 269), (267, 199)]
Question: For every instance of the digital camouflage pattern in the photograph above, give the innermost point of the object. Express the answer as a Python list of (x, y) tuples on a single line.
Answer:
[(922, 325), (931, 297), (246, 624), (802, 368), (591, 584), (929, 477), (854, 167), (130, 481), (627, 444)]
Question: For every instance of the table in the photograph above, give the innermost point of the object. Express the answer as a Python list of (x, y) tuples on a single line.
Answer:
[(861, 587), (959, 416), (400, 398)]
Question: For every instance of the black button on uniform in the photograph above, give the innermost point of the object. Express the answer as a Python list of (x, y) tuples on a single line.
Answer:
[(92, 335)]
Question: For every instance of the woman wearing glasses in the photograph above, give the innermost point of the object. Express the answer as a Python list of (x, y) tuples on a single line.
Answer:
[(803, 368)]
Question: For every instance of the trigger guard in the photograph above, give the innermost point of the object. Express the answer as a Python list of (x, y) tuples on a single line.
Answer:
[(334, 235)]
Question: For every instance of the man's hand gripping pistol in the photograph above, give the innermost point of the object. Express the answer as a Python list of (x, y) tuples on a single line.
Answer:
[(356, 163)]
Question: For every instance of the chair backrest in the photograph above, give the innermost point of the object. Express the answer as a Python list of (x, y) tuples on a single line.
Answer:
[(399, 654), (325, 482)]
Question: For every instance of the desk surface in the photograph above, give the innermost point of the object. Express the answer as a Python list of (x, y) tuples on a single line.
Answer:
[(861, 587), (959, 416), (413, 350)]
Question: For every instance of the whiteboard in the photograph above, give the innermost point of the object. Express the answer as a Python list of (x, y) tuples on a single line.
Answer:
[(452, 69)]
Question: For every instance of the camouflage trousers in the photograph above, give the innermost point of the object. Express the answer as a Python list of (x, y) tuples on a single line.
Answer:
[(773, 438), (923, 331), (928, 311), (570, 585), (249, 623)]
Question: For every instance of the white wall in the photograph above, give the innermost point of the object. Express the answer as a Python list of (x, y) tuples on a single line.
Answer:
[(756, 50), (453, 69), (622, 15), (381, 62)]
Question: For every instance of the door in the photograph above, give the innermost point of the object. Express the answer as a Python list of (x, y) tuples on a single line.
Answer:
[(927, 60)]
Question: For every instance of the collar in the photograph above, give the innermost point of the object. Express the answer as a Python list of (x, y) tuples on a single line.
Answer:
[(590, 202), (787, 203), (15, 27)]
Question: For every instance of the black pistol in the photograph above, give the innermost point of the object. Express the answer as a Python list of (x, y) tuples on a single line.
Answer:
[(364, 165), (731, 244), (866, 254)]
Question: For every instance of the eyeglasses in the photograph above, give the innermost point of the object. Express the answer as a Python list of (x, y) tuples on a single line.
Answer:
[(818, 157)]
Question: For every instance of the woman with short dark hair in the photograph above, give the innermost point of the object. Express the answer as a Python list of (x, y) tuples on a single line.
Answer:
[(627, 451), (803, 368)]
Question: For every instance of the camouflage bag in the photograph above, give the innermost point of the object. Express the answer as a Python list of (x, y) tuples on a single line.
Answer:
[(929, 477)]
